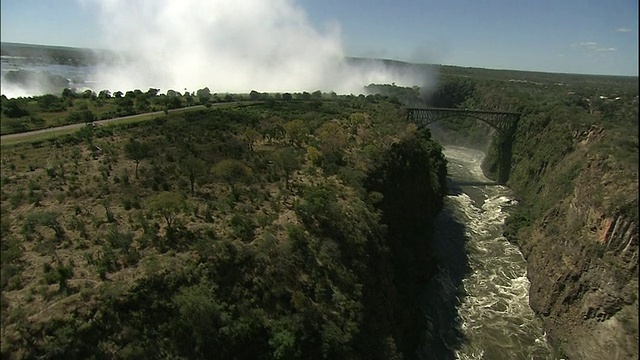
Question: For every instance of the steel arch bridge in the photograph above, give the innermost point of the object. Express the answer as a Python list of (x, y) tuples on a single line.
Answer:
[(504, 122)]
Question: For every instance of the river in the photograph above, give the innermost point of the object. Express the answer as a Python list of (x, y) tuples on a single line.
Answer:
[(478, 303)]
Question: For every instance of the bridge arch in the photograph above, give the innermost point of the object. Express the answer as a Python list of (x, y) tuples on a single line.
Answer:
[(504, 122)]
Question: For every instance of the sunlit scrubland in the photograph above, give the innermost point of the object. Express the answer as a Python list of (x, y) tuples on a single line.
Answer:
[(267, 231)]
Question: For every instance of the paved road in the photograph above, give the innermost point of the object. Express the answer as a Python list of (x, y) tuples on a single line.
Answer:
[(100, 122)]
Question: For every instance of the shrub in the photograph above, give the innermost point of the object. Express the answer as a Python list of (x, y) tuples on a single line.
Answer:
[(60, 274), (243, 227)]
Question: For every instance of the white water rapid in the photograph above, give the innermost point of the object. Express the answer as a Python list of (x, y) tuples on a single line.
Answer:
[(478, 303)]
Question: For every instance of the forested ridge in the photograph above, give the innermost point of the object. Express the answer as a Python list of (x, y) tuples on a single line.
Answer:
[(291, 229)]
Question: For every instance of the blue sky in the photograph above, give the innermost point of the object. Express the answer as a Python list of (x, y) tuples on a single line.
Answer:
[(574, 36)]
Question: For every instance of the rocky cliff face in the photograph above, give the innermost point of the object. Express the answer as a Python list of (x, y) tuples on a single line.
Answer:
[(582, 259)]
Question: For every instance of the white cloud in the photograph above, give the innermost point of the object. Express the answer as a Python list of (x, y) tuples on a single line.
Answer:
[(228, 46), (592, 46), (623, 30)]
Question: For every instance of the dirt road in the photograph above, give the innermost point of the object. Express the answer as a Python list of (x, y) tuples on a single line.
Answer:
[(99, 122)]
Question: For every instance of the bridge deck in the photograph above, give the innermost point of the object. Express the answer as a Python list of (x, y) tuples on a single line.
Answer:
[(467, 111), (502, 121)]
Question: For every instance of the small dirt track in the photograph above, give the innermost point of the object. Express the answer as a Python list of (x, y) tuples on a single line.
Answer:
[(98, 122)]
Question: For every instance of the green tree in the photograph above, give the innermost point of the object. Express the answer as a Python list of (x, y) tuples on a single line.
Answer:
[(81, 116), (64, 273), (50, 103), (288, 161), (194, 168), (200, 312), (231, 171), (189, 99), (13, 108), (167, 205), (204, 95), (332, 137), (296, 132), (104, 94), (254, 95), (243, 227), (60, 274), (67, 93), (152, 92), (313, 155), (88, 94), (124, 105), (44, 218), (251, 135), (357, 120), (137, 151), (173, 102), (141, 103)]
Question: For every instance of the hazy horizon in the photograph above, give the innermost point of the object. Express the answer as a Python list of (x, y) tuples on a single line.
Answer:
[(391, 59), (95, 69), (271, 47), (300, 45), (424, 72), (568, 37)]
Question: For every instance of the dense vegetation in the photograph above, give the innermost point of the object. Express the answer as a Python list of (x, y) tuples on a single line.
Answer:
[(290, 229), (555, 123)]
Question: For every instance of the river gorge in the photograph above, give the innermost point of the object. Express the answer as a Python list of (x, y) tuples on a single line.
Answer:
[(481, 289)]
